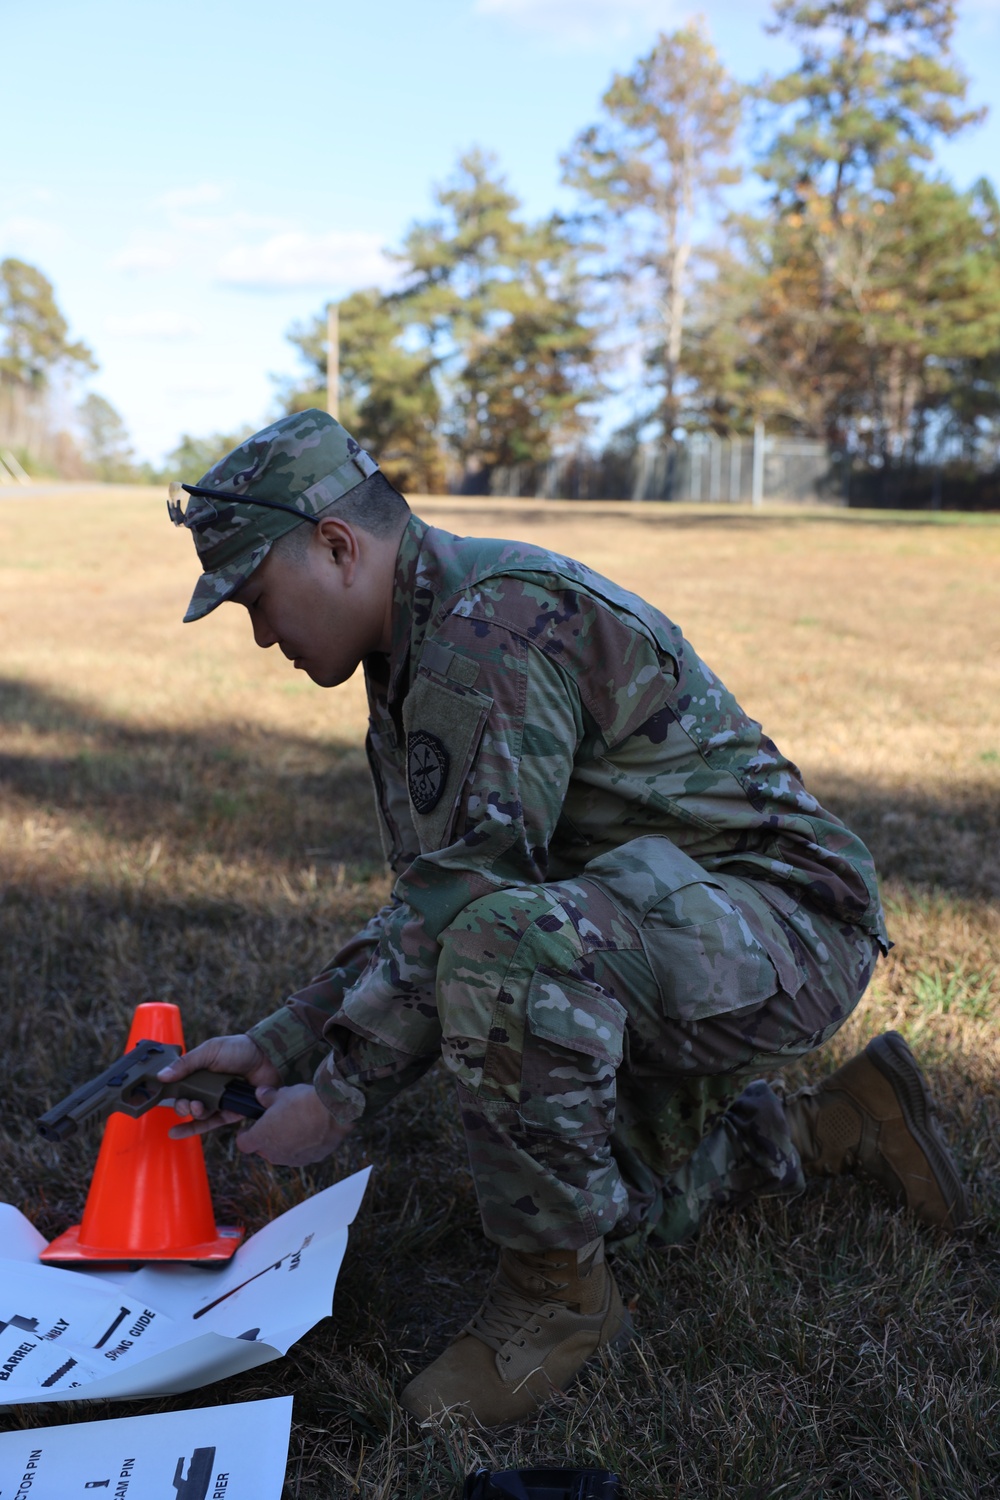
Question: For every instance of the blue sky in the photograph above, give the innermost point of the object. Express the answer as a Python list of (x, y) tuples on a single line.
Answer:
[(195, 175)]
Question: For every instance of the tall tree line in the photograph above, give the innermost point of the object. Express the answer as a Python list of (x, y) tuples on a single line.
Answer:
[(846, 291), (788, 251), (36, 349)]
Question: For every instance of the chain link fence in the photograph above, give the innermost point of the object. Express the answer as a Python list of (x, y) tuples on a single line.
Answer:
[(702, 467)]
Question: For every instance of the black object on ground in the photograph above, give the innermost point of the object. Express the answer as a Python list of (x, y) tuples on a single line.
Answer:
[(542, 1484)]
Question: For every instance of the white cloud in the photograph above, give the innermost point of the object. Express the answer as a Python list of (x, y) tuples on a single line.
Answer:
[(153, 325), (333, 262), (188, 238), (199, 387), (225, 226), (145, 252), (189, 197), (23, 235), (584, 22)]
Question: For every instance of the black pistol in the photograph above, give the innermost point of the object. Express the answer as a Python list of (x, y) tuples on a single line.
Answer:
[(131, 1086)]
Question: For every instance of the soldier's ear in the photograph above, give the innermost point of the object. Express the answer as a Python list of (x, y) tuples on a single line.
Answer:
[(337, 538), (340, 543)]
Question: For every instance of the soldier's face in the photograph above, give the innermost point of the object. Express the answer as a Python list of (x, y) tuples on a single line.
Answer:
[(324, 609)]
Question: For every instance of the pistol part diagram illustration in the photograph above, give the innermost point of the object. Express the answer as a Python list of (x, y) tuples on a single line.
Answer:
[(227, 1452), (166, 1328)]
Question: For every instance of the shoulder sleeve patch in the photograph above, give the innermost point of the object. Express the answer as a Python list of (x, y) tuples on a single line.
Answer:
[(444, 725), (427, 765)]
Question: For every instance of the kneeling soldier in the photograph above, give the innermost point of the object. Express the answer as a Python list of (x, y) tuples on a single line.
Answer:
[(615, 905)]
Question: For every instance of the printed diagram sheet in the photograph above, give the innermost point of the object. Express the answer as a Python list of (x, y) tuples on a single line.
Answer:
[(163, 1329), (237, 1452)]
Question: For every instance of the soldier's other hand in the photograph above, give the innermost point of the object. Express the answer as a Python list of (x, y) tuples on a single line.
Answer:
[(238, 1055), (295, 1129)]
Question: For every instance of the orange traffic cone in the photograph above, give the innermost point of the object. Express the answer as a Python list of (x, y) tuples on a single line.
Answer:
[(149, 1197)]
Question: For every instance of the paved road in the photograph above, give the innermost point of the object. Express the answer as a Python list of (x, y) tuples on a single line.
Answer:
[(50, 489)]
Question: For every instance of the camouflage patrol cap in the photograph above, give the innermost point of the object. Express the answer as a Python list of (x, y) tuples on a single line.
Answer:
[(286, 474)]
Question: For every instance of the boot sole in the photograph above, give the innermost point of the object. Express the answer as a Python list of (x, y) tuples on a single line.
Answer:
[(891, 1055)]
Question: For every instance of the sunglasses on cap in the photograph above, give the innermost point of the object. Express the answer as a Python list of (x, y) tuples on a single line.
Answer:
[(200, 512)]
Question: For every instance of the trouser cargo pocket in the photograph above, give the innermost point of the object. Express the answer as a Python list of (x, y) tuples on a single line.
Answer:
[(702, 951), (572, 1051)]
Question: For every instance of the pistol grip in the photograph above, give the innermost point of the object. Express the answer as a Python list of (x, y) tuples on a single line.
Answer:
[(218, 1091)]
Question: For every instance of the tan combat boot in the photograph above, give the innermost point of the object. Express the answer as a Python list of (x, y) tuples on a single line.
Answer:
[(875, 1116), (544, 1315)]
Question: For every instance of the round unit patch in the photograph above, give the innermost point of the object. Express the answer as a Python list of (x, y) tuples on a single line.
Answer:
[(427, 764)]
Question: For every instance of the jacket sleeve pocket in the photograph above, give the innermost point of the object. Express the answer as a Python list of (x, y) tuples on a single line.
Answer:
[(444, 724)]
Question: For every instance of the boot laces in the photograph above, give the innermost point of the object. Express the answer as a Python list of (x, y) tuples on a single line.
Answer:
[(507, 1312)]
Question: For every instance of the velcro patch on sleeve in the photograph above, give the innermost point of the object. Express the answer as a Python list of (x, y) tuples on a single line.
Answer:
[(444, 725)]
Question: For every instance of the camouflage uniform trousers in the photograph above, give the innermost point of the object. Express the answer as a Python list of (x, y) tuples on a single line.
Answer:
[(603, 1073)]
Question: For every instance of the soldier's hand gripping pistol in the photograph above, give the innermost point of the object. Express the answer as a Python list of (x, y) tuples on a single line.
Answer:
[(131, 1086)]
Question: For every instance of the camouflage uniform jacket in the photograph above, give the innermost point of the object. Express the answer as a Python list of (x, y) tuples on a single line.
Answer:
[(531, 716)]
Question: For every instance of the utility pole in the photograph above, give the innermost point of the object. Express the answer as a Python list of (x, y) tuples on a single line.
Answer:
[(757, 492), (333, 360)]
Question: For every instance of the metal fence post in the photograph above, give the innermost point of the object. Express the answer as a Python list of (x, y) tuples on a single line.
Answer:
[(697, 445), (714, 467), (735, 444), (759, 439)]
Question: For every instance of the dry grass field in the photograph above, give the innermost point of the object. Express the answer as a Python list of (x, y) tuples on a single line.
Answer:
[(184, 818)]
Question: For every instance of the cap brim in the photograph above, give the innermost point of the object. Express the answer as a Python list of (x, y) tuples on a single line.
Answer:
[(213, 589)]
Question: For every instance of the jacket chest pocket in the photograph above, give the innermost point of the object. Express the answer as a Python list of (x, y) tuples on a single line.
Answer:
[(444, 724)]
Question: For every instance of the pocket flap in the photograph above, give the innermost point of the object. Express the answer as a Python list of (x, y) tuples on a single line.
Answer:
[(707, 968), (576, 1016), (644, 872)]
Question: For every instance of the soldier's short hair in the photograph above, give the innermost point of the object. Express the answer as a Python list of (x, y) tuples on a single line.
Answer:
[(374, 506)]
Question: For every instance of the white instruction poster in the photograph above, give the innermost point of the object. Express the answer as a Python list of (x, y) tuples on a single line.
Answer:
[(236, 1452), (163, 1329)]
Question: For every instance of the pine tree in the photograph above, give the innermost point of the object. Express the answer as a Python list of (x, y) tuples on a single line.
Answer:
[(869, 284), (33, 331), (875, 87), (498, 305), (388, 399), (652, 166), (481, 357), (107, 447)]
